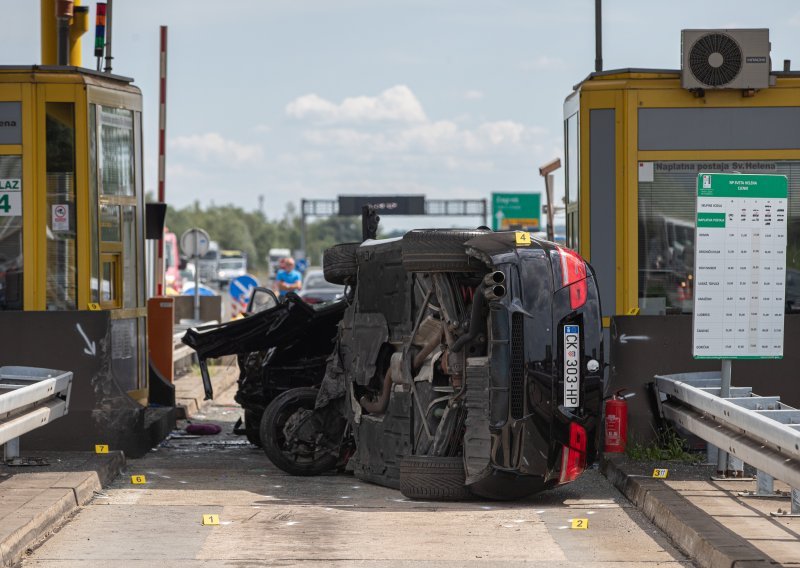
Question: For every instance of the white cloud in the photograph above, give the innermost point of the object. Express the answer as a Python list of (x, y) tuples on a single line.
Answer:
[(212, 146), (473, 95), (440, 137), (397, 104)]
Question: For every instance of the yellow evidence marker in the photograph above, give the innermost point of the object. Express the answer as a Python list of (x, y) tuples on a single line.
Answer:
[(138, 479), (523, 238), (659, 473), (210, 519), (101, 448), (581, 524)]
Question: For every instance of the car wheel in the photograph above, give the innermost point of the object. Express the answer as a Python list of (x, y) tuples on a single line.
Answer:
[(433, 478), (295, 456), (251, 427), (439, 250), (339, 263)]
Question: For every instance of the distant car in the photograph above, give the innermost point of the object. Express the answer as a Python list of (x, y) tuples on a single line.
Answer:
[(231, 265), (317, 290)]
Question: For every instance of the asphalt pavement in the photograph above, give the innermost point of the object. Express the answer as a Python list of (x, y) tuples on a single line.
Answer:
[(268, 518)]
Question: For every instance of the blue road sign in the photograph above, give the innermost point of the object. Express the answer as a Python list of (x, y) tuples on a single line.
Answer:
[(202, 291), (241, 287)]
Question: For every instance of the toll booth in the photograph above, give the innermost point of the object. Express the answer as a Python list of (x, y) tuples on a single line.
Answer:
[(635, 140), (72, 268)]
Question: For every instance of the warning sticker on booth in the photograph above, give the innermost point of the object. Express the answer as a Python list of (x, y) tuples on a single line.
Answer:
[(60, 217)]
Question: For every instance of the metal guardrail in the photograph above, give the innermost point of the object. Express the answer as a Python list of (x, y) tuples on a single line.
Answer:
[(184, 356), (30, 397), (758, 430)]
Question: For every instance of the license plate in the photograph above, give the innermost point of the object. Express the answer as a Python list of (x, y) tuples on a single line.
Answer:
[(572, 369)]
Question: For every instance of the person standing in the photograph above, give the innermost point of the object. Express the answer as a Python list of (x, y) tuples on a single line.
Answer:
[(288, 279)]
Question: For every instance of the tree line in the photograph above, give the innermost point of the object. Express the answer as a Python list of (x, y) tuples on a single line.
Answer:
[(252, 232)]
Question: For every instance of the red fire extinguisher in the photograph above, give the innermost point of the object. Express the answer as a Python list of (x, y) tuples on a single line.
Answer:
[(616, 422)]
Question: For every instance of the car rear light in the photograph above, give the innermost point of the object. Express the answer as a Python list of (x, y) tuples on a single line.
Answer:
[(311, 300), (573, 456), (573, 276)]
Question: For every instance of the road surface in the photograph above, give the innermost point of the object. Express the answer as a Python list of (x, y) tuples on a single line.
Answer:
[(268, 518)]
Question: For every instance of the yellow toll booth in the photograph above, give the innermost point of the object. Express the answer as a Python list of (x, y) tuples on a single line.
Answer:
[(72, 203), (635, 141), (72, 252)]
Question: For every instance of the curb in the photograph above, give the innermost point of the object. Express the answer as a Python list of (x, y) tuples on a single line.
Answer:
[(47, 500), (701, 537), (189, 392)]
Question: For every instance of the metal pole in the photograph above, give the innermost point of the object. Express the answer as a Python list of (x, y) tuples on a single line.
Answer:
[(109, 18), (303, 227), (485, 213), (11, 449), (724, 392), (64, 12), (598, 35), (162, 151), (196, 276), (549, 180)]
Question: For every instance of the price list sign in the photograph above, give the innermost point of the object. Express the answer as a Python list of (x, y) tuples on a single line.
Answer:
[(740, 266)]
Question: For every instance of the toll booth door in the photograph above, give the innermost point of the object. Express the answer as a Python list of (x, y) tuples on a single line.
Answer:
[(117, 238)]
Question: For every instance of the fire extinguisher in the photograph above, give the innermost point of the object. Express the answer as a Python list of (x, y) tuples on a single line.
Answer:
[(616, 422)]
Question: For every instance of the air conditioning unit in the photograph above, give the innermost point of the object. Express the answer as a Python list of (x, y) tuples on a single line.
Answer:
[(725, 59)]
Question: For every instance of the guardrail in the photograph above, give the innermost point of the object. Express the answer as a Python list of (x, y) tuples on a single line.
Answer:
[(184, 356), (30, 397), (758, 430)]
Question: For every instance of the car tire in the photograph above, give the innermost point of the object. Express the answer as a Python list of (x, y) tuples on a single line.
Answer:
[(252, 426), (274, 419), (339, 263), (439, 250), (433, 478)]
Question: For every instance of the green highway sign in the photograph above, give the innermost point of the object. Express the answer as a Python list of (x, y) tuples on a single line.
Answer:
[(516, 211)]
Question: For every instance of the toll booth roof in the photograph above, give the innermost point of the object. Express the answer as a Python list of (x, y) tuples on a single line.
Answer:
[(644, 73), (88, 76)]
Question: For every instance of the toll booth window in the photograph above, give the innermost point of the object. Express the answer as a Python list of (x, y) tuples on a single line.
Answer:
[(116, 157), (572, 180), (667, 196), (109, 280), (11, 233), (61, 231), (110, 223), (129, 277)]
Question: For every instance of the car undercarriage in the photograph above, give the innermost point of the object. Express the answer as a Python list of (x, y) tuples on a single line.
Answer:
[(459, 363)]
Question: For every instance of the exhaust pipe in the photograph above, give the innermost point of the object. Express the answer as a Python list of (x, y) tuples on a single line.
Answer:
[(493, 278), (494, 292)]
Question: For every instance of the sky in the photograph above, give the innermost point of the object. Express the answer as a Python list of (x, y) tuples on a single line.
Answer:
[(291, 99)]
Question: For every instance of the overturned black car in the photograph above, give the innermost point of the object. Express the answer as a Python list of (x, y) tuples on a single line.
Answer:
[(460, 362)]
